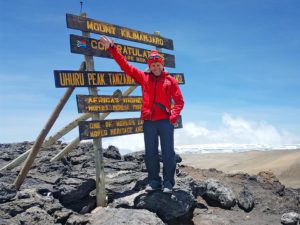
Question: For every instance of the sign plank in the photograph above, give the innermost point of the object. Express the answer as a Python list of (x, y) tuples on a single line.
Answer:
[(71, 78), (99, 27), (93, 47), (108, 103), (116, 127)]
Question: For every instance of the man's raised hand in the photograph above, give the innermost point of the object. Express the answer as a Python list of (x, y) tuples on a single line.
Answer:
[(106, 42)]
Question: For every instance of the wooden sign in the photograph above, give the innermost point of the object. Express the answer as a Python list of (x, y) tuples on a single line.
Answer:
[(109, 128), (93, 47), (69, 78), (99, 27), (108, 103)]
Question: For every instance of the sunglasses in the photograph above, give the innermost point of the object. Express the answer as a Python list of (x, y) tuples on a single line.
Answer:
[(155, 57)]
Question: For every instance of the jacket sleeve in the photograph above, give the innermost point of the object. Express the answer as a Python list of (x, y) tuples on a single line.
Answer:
[(130, 70), (178, 102)]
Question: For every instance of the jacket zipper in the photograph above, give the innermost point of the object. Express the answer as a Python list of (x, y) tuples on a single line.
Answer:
[(153, 98)]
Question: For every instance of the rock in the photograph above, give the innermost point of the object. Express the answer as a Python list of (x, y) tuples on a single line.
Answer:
[(112, 152), (126, 202), (121, 165), (71, 181), (290, 218), (140, 155), (135, 156), (270, 181), (61, 216), (168, 207), (112, 216), (73, 189), (198, 188), (184, 183), (29, 198), (75, 219), (7, 192), (36, 216), (246, 200), (124, 183), (219, 193)]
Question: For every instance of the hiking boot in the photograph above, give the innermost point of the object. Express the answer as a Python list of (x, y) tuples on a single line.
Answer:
[(151, 188), (168, 188)]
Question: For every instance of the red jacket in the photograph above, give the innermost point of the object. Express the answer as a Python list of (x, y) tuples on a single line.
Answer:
[(157, 91)]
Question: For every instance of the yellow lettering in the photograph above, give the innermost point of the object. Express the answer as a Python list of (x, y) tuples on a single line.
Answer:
[(71, 79), (108, 124), (139, 129), (137, 107), (91, 78), (100, 79), (98, 133), (94, 125), (130, 34), (94, 44), (120, 131), (92, 100), (100, 27), (178, 78), (123, 123)]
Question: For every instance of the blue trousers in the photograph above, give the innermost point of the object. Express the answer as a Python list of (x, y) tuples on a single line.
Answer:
[(164, 130)]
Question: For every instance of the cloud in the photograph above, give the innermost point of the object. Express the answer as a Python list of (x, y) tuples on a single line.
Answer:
[(235, 130), (232, 133), (127, 143)]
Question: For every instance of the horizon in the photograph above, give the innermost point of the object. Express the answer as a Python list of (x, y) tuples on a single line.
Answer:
[(240, 62)]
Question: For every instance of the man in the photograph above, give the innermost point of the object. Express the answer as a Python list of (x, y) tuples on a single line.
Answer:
[(158, 88)]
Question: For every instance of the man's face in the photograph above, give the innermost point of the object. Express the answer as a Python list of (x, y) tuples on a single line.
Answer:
[(156, 68)]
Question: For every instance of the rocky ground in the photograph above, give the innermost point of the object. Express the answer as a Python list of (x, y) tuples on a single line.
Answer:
[(63, 192)]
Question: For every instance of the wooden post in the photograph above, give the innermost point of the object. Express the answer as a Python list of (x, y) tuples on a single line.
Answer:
[(100, 176), (158, 34), (40, 139)]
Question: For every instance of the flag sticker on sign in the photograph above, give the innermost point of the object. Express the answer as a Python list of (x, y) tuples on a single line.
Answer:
[(81, 43)]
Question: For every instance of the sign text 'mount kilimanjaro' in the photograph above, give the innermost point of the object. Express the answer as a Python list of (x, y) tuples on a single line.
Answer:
[(93, 47), (108, 128), (72, 78), (99, 27), (108, 103)]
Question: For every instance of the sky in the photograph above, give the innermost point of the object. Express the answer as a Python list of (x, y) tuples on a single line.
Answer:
[(240, 59)]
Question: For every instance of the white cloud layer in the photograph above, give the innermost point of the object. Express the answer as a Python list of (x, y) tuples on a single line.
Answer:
[(236, 131), (233, 132)]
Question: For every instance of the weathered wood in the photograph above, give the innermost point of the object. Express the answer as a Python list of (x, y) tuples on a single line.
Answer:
[(17, 161), (40, 139), (108, 103), (52, 139), (99, 27), (76, 141), (116, 127), (93, 47), (97, 143), (71, 78), (70, 147)]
